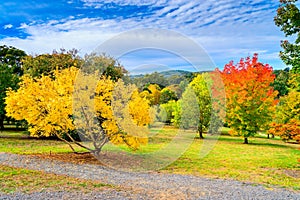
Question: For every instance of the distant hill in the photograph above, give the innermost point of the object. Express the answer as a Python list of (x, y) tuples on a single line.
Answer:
[(168, 73), (165, 73), (174, 72)]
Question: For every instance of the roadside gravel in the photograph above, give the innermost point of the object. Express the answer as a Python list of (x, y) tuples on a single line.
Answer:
[(139, 185)]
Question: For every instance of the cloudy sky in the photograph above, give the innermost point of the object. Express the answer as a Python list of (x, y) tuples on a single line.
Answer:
[(225, 29)]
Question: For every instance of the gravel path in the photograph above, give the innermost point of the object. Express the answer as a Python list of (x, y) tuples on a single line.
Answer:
[(143, 185)]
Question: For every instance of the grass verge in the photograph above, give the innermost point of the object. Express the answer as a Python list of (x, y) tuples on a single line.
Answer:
[(27, 181)]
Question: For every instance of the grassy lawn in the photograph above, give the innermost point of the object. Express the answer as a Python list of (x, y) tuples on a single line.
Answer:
[(264, 161), (12, 142), (21, 180), (270, 162)]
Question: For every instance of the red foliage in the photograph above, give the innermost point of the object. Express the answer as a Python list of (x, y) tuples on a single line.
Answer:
[(250, 98), (288, 131)]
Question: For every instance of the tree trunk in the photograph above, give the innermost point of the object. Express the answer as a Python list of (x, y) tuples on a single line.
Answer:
[(268, 136), (245, 140), (273, 136), (1, 123), (200, 130)]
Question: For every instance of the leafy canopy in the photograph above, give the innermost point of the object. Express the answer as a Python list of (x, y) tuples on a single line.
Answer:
[(286, 123), (250, 98), (96, 109), (288, 19), (10, 70)]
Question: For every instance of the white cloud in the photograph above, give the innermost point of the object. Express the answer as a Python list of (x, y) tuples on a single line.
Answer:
[(236, 28), (7, 26)]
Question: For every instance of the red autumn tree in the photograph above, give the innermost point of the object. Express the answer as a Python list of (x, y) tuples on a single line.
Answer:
[(250, 98)]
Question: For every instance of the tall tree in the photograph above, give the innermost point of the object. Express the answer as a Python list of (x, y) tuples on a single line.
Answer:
[(200, 87), (190, 113), (10, 70), (288, 19), (250, 98)]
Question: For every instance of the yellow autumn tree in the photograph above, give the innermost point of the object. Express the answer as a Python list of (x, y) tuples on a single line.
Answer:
[(72, 100), (45, 103), (286, 121), (152, 93)]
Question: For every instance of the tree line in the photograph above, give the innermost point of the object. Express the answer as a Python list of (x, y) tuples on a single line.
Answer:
[(111, 106)]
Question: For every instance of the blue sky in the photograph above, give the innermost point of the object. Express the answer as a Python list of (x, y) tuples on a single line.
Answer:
[(226, 30)]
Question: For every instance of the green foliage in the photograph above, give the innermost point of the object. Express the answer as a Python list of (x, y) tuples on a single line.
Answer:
[(288, 19), (281, 82), (105, 65), (153, 78), (12, 57), (10, 68), (167, 95), (166, 111), (175, 79), (177, 113), (194, 108), (7, 80), (190, 109), (182, 85), (201, 89), (45, 64)]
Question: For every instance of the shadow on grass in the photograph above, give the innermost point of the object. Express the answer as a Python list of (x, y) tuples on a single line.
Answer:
[(272, 145), (27, 137), (240, 140), (231, 139)]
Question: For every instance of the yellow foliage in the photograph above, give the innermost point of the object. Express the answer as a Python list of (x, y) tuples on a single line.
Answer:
[(44, 103), (102, 109)]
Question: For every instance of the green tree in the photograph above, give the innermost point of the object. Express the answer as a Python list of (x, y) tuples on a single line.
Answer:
[(12, 56), (46, 64), (175, 79), (167, 95), (288, 19), (10, 68), (190, 110), (176, 114), (166, 111), (105, 65), (194, 108), (281, 82), (201, 88), (148, 79)]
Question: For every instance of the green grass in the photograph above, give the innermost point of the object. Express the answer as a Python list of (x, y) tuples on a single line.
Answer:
[(13, 133), (12, 142), (265, 161), (27, 181), (269, 162)]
